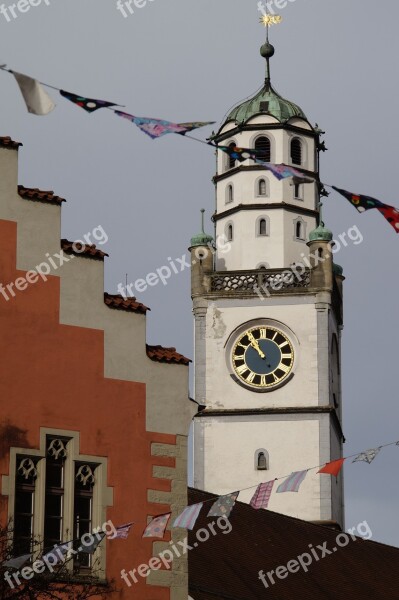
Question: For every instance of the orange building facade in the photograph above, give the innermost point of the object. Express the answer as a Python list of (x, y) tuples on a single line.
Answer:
[(93, 420)]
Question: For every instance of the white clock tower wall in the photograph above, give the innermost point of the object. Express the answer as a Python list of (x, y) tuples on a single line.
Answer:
[(267, 332)]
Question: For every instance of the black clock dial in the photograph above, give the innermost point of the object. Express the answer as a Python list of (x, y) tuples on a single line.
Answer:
[(263, 357)]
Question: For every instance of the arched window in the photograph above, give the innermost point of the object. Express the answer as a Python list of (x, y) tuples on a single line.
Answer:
[(229, 194), (230, 232), (296, 151), (231, 162), (298, 230), (263, 146), (298, 191), (262, 460), (261, 188), (262, 227)]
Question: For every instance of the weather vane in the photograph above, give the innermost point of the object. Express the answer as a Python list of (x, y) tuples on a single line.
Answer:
[(267, 20)]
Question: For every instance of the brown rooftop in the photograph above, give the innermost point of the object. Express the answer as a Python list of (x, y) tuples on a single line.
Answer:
[(7, 142), (39, 195), (226, 566), (121, 303), (166, 355), (89, 251)]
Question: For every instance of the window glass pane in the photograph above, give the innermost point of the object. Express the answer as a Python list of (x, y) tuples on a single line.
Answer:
[(54, 474), (24, 502)]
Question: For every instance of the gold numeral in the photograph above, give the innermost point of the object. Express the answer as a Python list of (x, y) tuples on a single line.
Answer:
[(284, 368), (289, 355), (251, 377), (263, 380), (242, 369), (262, 332)]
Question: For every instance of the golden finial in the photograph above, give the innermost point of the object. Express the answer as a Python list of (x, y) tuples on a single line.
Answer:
[(268, 20)]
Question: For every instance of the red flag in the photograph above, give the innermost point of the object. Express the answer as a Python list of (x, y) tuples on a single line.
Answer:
[(333, 468)]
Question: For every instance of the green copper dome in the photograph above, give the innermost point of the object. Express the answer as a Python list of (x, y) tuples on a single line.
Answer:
[(337, 269), (267, 101), (320, 234), (202, 238)]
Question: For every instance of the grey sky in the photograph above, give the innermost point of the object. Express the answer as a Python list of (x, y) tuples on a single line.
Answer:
[(191, 60)]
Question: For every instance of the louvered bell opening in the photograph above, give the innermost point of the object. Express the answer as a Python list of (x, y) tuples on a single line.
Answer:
[(262, 146)]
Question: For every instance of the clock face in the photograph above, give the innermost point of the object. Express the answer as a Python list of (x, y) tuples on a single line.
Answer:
[(262, 357)]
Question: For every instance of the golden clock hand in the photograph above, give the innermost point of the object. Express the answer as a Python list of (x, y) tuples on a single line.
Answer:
[(255, 344)]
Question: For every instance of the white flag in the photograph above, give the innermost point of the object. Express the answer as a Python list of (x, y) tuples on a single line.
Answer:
[(37, 100)]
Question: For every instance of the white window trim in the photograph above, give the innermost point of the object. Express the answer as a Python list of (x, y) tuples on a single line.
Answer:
[(272, 143), (305, 152)]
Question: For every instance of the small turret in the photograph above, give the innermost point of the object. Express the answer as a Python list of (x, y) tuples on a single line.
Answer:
[(320, 255), (202, 251)]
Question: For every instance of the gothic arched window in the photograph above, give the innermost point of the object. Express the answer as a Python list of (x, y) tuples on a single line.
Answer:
[(263, 146), (296, 151)]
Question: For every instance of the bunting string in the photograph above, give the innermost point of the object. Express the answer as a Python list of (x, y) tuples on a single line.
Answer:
[(38, 102)]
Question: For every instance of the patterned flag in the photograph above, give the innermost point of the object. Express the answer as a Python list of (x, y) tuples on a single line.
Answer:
[(91, 548), (156, 527), (391, 214), (292, 483), (240, 154), (156, 128), (188, 517), (368, 456), (333, 468), (361, 203), (59, 551), (262, 495), (88, 104), (283, 171), (37, 100), (223, 505), (122, 532), (18, 562)]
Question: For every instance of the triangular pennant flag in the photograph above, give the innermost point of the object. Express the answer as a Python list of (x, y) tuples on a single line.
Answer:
[(156, 527), (37, 100), (262, 495), (18, 562), (88, 104), (368, 456), (123, 531), (188, 517), (360, 202), (333, 468), (240, 154), (391, 214), (283, 171), (292, 483), (223, 505), (91, 548), (156, 128), (59, 551)]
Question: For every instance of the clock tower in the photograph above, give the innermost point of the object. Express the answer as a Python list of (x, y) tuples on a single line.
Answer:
[(267, 304)]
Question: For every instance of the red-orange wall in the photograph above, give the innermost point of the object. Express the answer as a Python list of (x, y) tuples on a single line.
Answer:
[(52, 375)]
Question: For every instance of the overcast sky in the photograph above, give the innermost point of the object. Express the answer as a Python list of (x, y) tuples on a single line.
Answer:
[(192, 60)]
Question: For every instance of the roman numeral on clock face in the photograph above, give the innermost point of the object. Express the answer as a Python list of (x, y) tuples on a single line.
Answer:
[(250, 377)]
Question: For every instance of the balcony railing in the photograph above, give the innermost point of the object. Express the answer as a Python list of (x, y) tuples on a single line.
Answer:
[(260, 281)]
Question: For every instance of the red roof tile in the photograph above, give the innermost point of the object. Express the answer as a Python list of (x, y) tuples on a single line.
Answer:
[(227, 565), (39, 195), (166, 355), (129, 304), (7, 142), (89, 251)]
